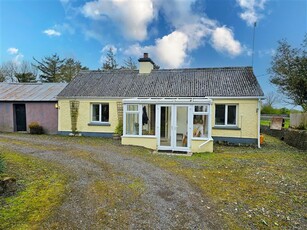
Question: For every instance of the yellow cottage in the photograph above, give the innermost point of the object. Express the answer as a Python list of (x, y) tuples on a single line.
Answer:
[(164, 109)]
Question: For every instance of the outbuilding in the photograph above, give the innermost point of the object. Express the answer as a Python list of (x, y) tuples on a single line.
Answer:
[(23, 103)]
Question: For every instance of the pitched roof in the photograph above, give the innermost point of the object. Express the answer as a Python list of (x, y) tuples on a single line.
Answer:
[(204, 82), (30, 91)]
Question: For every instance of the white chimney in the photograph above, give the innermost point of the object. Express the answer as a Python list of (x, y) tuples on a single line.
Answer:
[(146, 64)]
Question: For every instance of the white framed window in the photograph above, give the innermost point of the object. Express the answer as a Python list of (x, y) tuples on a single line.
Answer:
[(226, 115), (100, 112), (201, 122), (132, 118), (139, 120)]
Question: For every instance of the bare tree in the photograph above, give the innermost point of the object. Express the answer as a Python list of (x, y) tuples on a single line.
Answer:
[(129, 63), (2, 75), (271, 99), (26, 73), (15, 72), (8, 70)]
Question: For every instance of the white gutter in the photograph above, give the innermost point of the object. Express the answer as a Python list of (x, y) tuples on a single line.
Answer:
[(259, 112), (242, 97), (176, 100)]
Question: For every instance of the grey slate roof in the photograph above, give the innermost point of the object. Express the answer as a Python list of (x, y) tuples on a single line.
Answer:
[(30, 91), (205, 82)]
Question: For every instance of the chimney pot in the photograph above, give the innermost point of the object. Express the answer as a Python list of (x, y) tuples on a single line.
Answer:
[(145, 55)]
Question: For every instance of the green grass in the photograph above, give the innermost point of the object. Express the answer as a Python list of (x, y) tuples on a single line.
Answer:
[(41, 187), (268, 123), (116, 191), (249, 187)]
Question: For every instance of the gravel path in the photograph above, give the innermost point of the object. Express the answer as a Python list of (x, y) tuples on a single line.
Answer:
[(167, 202)]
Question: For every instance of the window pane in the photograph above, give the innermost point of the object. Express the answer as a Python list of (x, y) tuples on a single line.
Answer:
[(95, 116), (132, 125), (148, 119), (201, 108), (220, 114), (104, 112), (200, 126), (132, 107), (231, 117)]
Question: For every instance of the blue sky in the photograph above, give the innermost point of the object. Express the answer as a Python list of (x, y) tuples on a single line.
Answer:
[(175, 33)]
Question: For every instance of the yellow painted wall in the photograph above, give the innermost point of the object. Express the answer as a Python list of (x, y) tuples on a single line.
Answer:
[(147, 142), (84, 116), (208, 147), (247, 119)]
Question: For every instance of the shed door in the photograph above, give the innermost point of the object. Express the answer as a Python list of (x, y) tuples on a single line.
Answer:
[(20, 117)]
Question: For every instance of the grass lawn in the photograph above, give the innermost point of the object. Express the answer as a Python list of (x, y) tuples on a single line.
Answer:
[(249, 187), (41, 187)]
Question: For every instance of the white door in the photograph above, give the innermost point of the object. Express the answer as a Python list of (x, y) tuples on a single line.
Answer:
[(173, 127)]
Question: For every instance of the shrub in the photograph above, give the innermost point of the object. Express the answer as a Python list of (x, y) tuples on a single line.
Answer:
[(35, 128), (119, 128), (2, 164)]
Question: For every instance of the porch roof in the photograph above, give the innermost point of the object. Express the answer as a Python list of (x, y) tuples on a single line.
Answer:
[(202, 82)]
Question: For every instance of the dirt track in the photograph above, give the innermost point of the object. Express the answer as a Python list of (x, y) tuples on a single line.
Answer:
[(147, 197)]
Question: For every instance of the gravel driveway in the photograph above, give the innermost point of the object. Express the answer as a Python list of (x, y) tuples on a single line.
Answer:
[(166, 201)]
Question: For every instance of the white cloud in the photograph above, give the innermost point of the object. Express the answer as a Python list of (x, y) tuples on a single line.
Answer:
[(132, 16), (108, 47), (266, 52), (134, 50), (104, 51), (12, 50), (223, 40), (251, 10), (18, 59), (172, 49), (169, 51), (52, 32), (188, 29)]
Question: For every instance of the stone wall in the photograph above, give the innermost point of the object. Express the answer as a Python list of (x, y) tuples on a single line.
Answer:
[(293, 137)]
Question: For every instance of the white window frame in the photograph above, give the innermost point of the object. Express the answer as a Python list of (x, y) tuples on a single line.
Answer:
[(208, 113), (226, 116), (100, 113), (139, 111), (126, 112)]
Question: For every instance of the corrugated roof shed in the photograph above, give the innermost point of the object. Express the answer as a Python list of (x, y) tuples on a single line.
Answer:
[(30, 91), (204, 82)]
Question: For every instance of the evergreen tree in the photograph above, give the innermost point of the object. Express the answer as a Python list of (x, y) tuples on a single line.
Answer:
[(25, 73), (50, 68), (110, 60), (70, 69)]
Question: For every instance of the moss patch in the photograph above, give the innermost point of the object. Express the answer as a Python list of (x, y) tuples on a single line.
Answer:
[(41, 189)]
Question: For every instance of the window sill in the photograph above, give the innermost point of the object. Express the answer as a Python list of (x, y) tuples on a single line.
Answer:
[(227, 127), (200, 138), (99, 124), (140, 136)]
